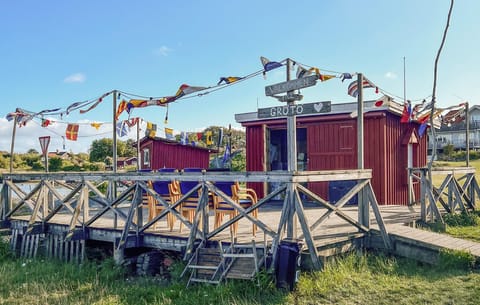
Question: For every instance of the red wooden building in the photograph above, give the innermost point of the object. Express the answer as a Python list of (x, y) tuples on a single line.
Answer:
[(328, 141), (156, 153)]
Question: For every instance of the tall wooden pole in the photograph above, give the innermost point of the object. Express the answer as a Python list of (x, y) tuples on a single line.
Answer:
[(292, 159), (15, 121), (360, 159), (138, 144), (363, 204), (467, 135), (114, 148)]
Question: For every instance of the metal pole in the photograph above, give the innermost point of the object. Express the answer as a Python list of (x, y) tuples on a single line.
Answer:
[(114, 165), (467, 135), (13, 142), (360, 158)]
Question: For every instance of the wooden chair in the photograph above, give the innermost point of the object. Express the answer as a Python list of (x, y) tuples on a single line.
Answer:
[(221, 207), (189, 206), (246, 198), (165, 189)]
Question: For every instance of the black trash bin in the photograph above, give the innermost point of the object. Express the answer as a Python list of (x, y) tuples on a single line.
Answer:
[(287, 267)]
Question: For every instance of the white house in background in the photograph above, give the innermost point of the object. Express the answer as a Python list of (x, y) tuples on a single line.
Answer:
[(455, 133)]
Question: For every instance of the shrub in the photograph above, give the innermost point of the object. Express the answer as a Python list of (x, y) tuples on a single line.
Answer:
[(462, 220), (455, 259)]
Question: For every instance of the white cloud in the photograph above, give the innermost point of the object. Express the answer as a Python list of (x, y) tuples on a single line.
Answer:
[(163, 51), (75, 78), (391, 75)]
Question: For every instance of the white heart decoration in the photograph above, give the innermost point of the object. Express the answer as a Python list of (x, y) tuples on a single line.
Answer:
[(318, 107)]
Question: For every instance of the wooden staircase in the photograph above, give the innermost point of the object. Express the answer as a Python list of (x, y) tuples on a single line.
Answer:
[(213, 264)]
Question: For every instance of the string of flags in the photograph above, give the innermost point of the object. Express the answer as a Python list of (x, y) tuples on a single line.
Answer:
[(417, 113)]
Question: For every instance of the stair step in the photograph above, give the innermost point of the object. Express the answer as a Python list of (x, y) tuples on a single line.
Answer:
[(239, 255), (209, 250), (240, 276), (203, 281), (202, 267)]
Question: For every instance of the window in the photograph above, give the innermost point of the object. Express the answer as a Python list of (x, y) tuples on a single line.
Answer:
[(146, 157)]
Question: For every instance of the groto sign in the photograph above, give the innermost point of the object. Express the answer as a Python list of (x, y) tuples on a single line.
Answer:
[(298, 109)]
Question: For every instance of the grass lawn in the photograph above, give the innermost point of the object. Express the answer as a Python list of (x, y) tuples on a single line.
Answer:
[(357, 278)]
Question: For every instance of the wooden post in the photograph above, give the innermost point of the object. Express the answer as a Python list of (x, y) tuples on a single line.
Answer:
[(292, 159), (360, 160), (138, 144), (363, 205), (15, 121), (114, 148), (467, 135)]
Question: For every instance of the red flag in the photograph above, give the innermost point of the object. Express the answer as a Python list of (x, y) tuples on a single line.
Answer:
[(407, 110), (72, 132), (199, 136)]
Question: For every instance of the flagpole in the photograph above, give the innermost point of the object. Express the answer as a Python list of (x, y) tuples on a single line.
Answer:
[(13, 142), (467, 135), (404, 82), (138, 144), (114, 150)]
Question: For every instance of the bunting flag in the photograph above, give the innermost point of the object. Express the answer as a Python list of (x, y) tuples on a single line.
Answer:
[(383, 101), (122, 129), (151, 130), (199, 136), (229, 79), (121, 108), (325, 77), (100, 99), (220, 137), (132, 122), (302, 72), (185, 90), (96, 125), (353, 87), (169, 133), (72, 132), (47, 111), (423, 120), (183, 138), (345, 76), (11, 116), (269, 65), (134, 103), (208, 138), (226, 155), (46, 122), (74, 106), (406, 113), (23, 118)]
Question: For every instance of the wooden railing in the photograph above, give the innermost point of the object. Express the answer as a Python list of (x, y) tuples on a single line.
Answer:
[(455, 191), (75, 193)]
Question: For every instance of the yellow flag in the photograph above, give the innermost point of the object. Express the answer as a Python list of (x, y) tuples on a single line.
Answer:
[(208, 137)]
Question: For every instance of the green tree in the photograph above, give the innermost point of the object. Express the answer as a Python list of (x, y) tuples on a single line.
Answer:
[(448, 151), (55, 164), (101, 149)]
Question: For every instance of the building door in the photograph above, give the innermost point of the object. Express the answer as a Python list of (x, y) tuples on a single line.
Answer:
[(277, 152), (331, 146)]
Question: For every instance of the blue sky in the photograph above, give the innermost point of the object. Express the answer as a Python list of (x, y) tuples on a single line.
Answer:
[(54, 53)]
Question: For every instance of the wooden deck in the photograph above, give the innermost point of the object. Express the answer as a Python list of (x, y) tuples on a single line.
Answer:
[(82, 212), (332, 237)]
